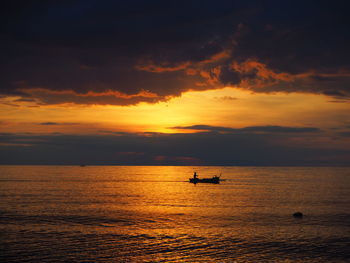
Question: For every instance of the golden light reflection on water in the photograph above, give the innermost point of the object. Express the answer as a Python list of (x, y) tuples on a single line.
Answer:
[(154, 213)]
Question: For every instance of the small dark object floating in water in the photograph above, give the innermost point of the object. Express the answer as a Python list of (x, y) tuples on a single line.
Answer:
[(213, 180), (82, 165), (298, 215)]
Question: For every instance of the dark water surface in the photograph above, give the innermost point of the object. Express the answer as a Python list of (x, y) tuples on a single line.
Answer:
[(152, 214)]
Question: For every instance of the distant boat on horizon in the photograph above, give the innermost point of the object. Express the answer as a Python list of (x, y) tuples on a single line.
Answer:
[(82, 165), (213, 180)]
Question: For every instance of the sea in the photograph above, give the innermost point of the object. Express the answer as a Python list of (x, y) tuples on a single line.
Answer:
[(153, 214)]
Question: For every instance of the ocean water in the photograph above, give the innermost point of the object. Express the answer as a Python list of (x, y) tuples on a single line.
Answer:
[(153, 214)]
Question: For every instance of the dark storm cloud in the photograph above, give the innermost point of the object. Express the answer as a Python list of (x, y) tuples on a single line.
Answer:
[(204, 148), (124, 52)]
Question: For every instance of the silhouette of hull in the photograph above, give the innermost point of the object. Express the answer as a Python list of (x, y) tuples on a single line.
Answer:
[(213, 180)]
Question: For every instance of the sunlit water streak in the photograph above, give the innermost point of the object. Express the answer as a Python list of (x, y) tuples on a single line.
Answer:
[(152, 214)]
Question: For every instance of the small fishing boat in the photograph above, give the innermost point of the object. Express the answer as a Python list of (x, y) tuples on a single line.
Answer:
[(214, 180)]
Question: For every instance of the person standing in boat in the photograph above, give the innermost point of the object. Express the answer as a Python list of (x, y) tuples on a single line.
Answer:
[(195, 175)]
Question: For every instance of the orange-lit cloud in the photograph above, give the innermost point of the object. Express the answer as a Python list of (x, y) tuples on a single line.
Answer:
[(211, 77), (256, 75), (107, 97), (261, 69), (222, 55), (152, 67), (164, 52), (191, 67)]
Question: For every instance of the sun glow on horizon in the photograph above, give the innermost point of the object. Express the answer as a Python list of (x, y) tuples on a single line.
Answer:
[(228, 107)]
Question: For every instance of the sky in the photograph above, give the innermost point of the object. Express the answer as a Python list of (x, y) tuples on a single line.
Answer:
[(175, 82)]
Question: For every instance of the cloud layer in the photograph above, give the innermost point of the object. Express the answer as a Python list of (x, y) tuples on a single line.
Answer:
[(251, 129), (125, 52), (260, 145)]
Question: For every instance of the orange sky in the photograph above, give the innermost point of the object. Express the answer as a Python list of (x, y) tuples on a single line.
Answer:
[(226, 107), (107, 76)]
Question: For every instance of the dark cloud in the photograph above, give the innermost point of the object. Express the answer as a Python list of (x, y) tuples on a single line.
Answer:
[(251, 129), (124, 52), (203, 148), (334, 93), (205, 128), (48, 123), (281, 129), (345, 134), (57, 123)]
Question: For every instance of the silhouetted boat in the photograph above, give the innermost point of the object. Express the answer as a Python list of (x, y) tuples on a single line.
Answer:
[(214, 180)]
